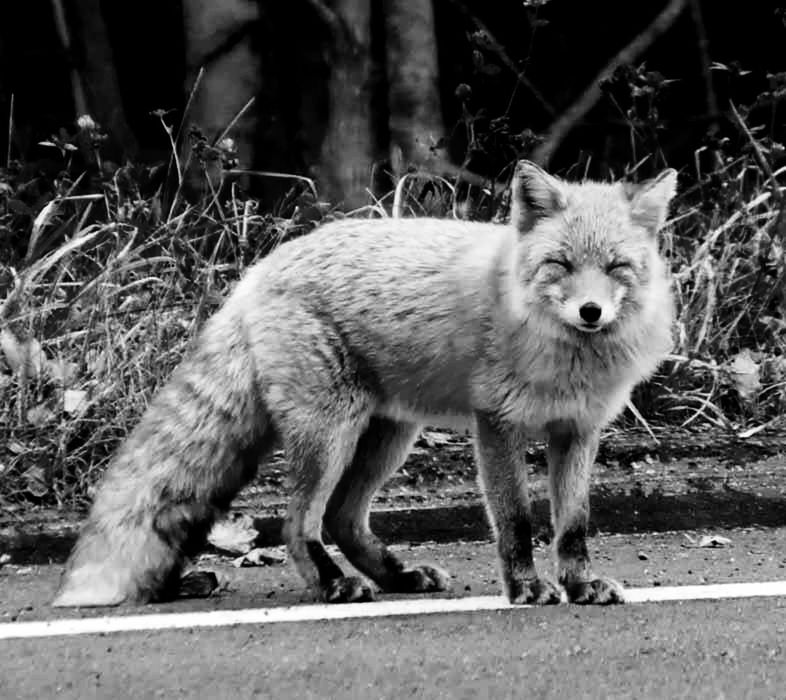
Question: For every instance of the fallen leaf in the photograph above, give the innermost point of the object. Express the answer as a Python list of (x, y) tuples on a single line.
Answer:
[(235, 534), (714, 541), (40, 415), (743, 371), (74, 401), (23, 357), (35, 481), (435, 438), (62, 371), (258, 557)]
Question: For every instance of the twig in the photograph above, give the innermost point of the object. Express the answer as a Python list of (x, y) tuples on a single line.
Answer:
[(192, 93), (777, 195), (327, 15), (500, 53), (234, 121), (10, 131), (562, 126)]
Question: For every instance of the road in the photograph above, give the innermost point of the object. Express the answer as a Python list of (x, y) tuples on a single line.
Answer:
[(691, 649)]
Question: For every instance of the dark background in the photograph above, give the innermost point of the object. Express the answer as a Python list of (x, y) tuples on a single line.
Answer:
[(562, 46)]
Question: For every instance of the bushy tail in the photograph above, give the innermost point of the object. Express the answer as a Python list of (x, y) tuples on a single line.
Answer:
[(199, 442)]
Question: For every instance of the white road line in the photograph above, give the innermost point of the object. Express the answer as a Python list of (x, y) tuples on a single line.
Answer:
[(389, 608)]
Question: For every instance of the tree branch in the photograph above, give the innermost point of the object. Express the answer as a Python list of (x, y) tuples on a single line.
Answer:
[(562, 126), (499, 52)]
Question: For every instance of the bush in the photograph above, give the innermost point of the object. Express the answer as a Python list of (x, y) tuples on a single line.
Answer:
[(110, 273)]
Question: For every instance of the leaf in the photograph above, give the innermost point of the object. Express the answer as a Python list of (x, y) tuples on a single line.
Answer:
[(62, 371), (435, 438), (25, 358), (40, 415), (258, 557), (75, 401), (39, 223), (713, 541), (235, 534), (15, 447), (743, 372), (35, 482)]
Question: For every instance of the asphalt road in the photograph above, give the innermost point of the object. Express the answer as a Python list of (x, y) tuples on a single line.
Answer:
[(700, 649)]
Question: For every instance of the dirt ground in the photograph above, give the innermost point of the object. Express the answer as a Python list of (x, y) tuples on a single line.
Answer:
[(685, 480)]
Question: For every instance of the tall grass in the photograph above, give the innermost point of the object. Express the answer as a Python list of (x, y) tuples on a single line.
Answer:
[(104, 284)]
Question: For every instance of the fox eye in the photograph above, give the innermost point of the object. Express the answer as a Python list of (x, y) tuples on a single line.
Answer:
[(619, 266), (564, 264)]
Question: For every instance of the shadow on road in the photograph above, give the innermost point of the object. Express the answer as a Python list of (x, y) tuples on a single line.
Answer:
[(611, 513)]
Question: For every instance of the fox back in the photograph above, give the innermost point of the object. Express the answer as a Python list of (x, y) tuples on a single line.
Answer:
[(555, 316)]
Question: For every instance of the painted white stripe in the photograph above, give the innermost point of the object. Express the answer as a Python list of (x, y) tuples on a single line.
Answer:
[(389, 608)]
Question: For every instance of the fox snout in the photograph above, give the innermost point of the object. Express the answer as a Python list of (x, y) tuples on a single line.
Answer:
[(590, 316), (590, 312), (591, 301)]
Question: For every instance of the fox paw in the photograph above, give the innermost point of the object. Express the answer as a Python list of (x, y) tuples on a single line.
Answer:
[(421, 579), (347, 589), (534, 591), (599, 591)]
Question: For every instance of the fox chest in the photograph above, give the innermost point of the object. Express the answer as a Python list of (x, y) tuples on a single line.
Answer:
[(586, 389)]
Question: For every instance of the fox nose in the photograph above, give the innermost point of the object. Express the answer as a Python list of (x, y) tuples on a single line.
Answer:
[(590, 312)]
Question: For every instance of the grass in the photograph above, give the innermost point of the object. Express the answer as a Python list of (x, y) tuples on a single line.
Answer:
[(109, 277)]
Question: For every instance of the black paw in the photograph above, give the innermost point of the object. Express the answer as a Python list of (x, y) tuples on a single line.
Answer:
[(599, 591), (347, 589), (534, 591), (421, 579)]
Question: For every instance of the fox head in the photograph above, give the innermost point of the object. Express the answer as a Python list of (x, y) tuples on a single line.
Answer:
[(588, 252)]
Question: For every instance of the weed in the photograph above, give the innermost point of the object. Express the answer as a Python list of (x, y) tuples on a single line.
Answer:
[(108, 271)]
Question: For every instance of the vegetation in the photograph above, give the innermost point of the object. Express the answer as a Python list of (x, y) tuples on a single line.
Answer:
[(108, 272)]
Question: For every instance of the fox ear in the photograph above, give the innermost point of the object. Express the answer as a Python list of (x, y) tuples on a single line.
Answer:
[(534, 195), (649, 201)]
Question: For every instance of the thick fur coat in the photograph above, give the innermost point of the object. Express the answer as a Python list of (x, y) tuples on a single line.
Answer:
[(340, 345)]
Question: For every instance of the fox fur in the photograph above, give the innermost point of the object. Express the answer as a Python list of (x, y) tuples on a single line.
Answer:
[(340, 345)]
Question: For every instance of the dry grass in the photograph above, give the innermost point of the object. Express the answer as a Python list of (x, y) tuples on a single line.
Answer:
[(106, 285)]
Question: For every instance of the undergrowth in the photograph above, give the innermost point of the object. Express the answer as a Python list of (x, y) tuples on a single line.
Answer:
[(107, 273)]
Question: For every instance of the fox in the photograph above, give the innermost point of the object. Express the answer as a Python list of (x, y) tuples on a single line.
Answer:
[(340, 345)]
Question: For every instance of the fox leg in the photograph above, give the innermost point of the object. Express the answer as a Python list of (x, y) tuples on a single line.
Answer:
[(381, 450), (502, 472), (318, 458), (570, 457)]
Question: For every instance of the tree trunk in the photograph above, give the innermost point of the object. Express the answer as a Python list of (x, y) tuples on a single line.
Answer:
[(348, 147), (97, 74), (413, 83), (219, 37)]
